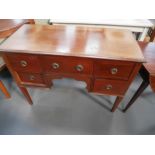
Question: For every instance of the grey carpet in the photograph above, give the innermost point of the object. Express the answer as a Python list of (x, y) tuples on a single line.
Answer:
[(67, 108)]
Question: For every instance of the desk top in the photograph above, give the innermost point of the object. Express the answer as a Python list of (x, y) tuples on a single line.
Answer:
[(80, 41)]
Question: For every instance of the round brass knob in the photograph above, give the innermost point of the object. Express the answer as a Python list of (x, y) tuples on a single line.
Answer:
[(109, 87), (23, 63), (79, 68), (55, 65), (114, 71), (32, 77)]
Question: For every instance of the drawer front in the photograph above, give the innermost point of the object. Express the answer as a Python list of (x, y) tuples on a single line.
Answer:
[(111, 87), (25, 62), (113, 69), (71, 65), (31, 78)]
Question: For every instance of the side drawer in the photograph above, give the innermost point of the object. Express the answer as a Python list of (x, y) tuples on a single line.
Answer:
[(57, 64), (28, 78), (113, 69), (110, 87), (25, 63)]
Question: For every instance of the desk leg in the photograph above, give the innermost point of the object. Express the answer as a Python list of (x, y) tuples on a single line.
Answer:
[(17, 79), (137, 94), (26, 94), (116, 104), (4, 90)]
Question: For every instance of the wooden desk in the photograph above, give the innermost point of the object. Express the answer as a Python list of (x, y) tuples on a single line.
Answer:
[(147, 71), (106, 59)]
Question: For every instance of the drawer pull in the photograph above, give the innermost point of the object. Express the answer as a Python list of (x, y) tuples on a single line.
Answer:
[(23, 63), (109, 87), (79, 68), (32, 77), (55, 65), (114, 71)]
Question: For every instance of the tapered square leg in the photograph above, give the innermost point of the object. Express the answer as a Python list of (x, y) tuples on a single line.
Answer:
[(116, 104), (140, 90), (26, 94), (4, 90)]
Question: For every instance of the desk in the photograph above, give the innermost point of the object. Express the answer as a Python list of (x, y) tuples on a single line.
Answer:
[(107, 60), (134, 25), (147, 71)]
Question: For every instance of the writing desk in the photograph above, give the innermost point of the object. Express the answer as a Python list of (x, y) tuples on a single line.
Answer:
[(106, 59), (147, 71)]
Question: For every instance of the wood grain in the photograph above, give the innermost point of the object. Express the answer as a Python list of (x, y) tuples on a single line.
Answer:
[(74, 41)]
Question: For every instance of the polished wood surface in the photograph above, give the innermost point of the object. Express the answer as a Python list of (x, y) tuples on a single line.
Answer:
[(74, 41), (147, 71), (35, 55)]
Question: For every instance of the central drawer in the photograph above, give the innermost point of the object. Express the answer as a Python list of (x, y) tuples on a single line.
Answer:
[(58, 64)]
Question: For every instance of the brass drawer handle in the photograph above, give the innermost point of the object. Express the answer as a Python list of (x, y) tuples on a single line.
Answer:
[(55, 65), (23, 63), (79, 68), (32, 77), (109, 87), (114, 71)]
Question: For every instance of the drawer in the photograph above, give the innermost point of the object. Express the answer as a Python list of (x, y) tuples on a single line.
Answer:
[(31, 78), (64, 64), (110, 87), (113, 69), (25, 62)]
